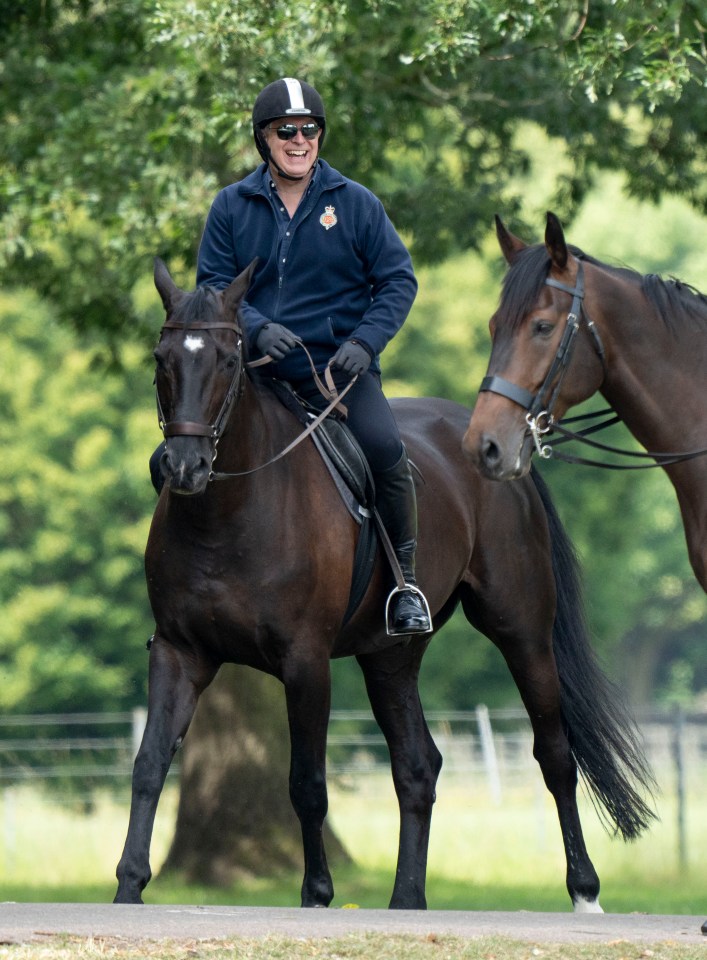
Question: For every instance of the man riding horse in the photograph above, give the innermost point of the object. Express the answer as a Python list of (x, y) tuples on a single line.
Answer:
[(332, 274)]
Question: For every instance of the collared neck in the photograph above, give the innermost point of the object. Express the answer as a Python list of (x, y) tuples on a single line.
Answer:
[(325, 176), (271, 181)]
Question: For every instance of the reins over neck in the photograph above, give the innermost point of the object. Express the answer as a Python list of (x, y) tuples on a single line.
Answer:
[(657, 459)]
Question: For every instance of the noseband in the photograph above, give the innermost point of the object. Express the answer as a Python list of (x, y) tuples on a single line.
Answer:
[(540, 405), (192, 428)]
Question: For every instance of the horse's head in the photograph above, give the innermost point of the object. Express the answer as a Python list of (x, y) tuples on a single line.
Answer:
[(199, 372), (534, 339)]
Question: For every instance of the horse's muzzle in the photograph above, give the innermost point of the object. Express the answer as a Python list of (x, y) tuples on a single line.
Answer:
[(186, 470), (497, 457)]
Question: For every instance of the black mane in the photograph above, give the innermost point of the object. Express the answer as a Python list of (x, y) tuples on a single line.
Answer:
[(201, 305), (522, 285), (674, 301)]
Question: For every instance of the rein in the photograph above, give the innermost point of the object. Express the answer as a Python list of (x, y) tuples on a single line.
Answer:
[(336, 402), (190, 428), (658, 459), (539, 417)]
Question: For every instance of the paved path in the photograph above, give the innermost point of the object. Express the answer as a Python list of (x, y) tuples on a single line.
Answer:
[(33, 922)]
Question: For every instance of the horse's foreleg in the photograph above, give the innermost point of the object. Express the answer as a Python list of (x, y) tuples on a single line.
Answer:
[(173, 694), (391, 681), (536, 677), (308, 693)]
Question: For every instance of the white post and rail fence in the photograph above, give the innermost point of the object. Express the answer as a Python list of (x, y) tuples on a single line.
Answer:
[(73, 755)]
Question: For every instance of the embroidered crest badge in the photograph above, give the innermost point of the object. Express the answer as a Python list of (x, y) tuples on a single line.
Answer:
[(328, 219)]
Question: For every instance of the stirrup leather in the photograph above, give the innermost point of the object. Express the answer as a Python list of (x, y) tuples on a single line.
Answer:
[(423, 599)]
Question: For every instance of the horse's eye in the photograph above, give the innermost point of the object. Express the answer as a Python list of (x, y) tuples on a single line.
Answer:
[(542, 328), (159, 359), (231, 361)]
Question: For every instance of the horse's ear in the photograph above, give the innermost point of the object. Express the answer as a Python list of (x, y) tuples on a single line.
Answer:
[(166, 287), (233, 294), (555, 241), (510, 246)]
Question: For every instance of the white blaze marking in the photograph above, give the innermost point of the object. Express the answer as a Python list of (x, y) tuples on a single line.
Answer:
[(193, 344)]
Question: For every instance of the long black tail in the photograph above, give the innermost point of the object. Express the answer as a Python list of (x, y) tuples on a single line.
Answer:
[(602, 734)]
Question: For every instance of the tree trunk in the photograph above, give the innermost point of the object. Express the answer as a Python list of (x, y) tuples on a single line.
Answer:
[(234, 817)]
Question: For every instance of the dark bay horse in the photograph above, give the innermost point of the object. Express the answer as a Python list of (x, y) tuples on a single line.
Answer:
[(568, 326), (256, 569)]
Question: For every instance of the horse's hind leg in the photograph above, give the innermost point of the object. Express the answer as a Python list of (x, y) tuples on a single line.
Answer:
[(526, 645), (391, 681), (552, 751), (173, 693)]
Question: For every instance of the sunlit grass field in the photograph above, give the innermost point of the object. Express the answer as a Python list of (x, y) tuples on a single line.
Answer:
[(484, 855)]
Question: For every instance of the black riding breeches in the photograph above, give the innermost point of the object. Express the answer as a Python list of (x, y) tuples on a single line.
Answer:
[(370, 419)]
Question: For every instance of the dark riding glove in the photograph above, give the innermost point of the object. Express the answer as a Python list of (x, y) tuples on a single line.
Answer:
[(353, 358), (276, 341)]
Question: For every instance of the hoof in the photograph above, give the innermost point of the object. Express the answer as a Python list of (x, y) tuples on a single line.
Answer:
[(587, 906)]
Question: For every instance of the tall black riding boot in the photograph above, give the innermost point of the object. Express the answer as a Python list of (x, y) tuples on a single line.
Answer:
[(407, 609)]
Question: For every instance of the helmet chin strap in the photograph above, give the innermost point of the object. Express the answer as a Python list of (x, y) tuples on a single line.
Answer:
[(280, 172), (286, 176)]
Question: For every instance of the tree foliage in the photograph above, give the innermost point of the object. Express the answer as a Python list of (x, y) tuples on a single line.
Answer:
[(75, 504), (120, 119)]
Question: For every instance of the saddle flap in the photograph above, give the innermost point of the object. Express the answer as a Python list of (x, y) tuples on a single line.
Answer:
[(348, 458)]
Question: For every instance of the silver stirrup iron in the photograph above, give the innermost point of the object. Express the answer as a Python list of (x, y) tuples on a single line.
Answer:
[(423, 599)]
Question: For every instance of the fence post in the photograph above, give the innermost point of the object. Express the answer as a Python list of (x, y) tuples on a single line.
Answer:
[(488, 751), (9, 829), (679, 757), (139, 722)]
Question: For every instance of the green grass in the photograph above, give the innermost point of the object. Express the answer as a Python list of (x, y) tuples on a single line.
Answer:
[(482, 856), (354, 947)]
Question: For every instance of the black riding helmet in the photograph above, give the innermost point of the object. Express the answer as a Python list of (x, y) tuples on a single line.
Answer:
[(286, 98)]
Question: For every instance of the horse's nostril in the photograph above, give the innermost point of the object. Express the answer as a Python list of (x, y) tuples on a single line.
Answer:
[(490, 452)]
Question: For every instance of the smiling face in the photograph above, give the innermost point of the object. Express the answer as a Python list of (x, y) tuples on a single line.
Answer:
[(295, 157)]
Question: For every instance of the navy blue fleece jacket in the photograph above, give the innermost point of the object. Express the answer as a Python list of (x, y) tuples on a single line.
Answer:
[(336, 271)]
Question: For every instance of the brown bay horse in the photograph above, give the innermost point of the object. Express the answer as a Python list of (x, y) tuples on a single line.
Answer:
[(569, 326), (256, 569)]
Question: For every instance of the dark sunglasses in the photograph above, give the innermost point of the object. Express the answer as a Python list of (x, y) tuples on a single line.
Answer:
[(287, 131)]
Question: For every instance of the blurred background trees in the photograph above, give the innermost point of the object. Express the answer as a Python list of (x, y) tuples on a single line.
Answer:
[(120, 122)]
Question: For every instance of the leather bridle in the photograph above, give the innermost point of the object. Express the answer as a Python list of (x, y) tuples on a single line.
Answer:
[(214, 431), (540, 417), (192, 428)]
